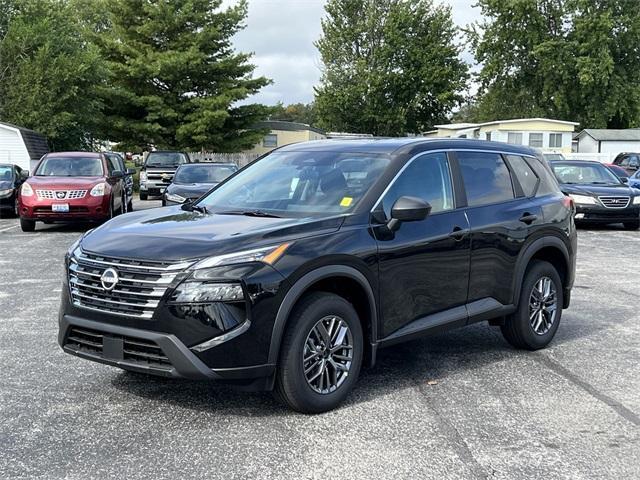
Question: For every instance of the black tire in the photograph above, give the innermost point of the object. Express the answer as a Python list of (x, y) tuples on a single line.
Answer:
[(518, 329), (292, 387), (144, 196), (27, 225), (16, 210), (164, 202), (130, 206), (632, 225)]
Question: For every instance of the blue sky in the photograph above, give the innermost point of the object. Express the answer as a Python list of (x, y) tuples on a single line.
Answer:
[(281, 35)]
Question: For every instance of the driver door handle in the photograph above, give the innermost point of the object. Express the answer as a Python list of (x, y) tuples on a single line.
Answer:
[(528, 218), (458, 233)]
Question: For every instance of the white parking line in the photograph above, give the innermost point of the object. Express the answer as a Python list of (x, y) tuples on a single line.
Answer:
[(8, 228)]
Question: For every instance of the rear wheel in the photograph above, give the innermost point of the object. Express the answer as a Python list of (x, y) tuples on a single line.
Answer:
[(143, 196), (536, 321), (130, 205), (27, 225), (321, 354), (635, 225)]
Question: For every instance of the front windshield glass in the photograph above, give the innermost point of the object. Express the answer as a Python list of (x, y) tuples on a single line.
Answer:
[(200, 173), (299, 183), (584, 173), (165, 159), (6, 173), (70, 167)]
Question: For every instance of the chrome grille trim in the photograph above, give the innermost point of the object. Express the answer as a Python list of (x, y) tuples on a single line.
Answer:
[(615, 201), (68, 194), (141, 284)]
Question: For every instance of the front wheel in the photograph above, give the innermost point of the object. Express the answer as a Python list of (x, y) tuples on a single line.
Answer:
[(635, 225), (536, 320), (143, 196), (27, 225), (321, 354)]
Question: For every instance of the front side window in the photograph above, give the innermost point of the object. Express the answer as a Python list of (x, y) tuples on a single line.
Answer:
[(486, 178), (165, 159), (202, 173), (428, 178), (113, 164), (299, 184), (70, 167), (535, 140), (555, 140), (270, 140), (525, 175), (514, 138)]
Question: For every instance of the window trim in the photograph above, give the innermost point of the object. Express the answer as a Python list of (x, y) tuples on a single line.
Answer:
[(552, 135)]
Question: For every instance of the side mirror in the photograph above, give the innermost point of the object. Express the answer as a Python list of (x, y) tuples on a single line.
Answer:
[(24, 174), (131, 171), (117, 174), (624, 179), (408, 209)]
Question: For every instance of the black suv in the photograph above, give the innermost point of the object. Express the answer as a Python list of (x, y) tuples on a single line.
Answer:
[(158, 170), (295, 270)]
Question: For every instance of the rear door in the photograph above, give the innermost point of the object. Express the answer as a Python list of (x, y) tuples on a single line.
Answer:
[(423, 266), (501, 218)]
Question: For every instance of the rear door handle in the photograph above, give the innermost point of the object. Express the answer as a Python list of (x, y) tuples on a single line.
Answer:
[(458, 234), (528, 218)]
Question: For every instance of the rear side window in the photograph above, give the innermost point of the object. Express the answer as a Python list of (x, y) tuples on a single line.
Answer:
[(524, 174), (428, 178), (548, 183), (486, 178)]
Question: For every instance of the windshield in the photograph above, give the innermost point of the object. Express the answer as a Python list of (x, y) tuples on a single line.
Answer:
[(299, 183), (165, 159), (70, 167), (584, 173), (199, 173), (6, 173)]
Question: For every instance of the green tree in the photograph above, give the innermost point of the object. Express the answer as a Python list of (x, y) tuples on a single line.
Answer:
[(390, 66), (567, 59), (48, 72), (176, 81), (295, 112)]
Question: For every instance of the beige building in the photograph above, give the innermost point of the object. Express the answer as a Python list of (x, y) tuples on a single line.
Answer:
[(284, 133), (546, 134)]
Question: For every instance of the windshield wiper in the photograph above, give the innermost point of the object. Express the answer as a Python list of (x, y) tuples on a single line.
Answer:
[(250, 213)]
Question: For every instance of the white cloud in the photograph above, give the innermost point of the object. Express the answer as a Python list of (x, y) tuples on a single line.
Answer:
[(281, 34)]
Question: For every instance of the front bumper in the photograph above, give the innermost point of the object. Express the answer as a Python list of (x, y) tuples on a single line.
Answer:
[(598, 214), (144, 351), (154, 189), (88, 208)]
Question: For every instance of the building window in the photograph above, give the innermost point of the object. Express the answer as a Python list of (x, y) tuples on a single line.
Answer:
[(535, 140), (270, 140), (514, 138), (555, 140), (487, 136)]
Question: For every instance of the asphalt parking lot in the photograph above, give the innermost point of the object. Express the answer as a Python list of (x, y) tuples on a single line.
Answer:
[(460, 405)]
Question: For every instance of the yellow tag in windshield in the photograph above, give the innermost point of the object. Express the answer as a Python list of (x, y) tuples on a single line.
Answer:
[(346, 202)]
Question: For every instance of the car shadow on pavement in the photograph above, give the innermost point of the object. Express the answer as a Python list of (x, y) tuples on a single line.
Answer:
[(425, 361)]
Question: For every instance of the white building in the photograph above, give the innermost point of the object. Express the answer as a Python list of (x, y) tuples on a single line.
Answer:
[(21, 146), (606, 141)]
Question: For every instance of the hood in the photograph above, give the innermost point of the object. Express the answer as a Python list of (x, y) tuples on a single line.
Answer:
[(599, 190), (190, 190), (64, 182), (174, 234)]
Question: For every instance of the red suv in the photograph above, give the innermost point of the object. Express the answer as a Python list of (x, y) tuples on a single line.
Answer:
[(69, 186)]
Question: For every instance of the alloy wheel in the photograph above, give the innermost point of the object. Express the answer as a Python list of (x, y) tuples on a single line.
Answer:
[(328, 354), (543, 305)]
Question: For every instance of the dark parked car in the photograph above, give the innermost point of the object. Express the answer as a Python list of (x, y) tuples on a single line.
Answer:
[(11, 178), (128, 179), (158, 171), (192, 180), (629, 161), (69, 186), (292, 273), (599, 195)]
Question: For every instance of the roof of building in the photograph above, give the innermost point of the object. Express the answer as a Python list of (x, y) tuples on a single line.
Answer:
[(287, 126), (404, 144), (463, 126), (35, 142), (612, 135)]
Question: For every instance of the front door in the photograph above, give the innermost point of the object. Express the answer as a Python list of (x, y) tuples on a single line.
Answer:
[(423, 266)]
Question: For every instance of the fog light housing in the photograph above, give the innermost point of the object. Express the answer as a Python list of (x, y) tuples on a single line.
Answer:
[(206, 292)]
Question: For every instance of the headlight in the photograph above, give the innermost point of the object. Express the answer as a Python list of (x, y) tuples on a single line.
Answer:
[(26, 190), (6, 193), (201, 292), (172, 197), (143, 176), (268, 255), (583, 199), (636, 200), (98, 190)]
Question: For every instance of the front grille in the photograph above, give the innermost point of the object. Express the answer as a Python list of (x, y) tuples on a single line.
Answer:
[(61, 194), (134, 350), (160, 176), (615, 202), (137, 292)]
